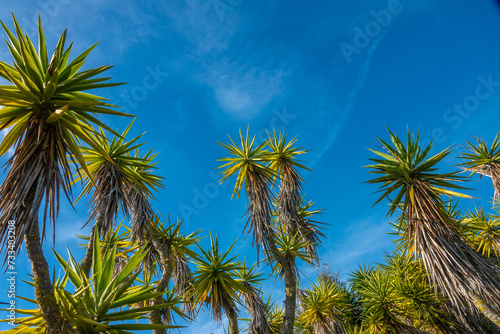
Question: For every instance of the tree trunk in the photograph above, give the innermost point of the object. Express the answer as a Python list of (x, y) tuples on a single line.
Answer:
[(232, 316), (87, 260), (44, 291), (155, 316), (290, 286), (164, 252), (290, 298), (485, 309)]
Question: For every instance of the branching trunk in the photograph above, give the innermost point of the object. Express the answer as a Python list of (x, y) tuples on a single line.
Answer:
[(44, 291), (290, 286)]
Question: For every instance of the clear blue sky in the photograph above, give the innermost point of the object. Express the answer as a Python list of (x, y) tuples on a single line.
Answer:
[(330, 72)]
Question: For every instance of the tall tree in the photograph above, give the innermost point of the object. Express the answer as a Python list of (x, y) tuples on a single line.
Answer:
[(112, 169), (46, 112), (453, 266), (258, 169), (253, 300), (484, 160), (483, 231), (215, 283), (102, 304)]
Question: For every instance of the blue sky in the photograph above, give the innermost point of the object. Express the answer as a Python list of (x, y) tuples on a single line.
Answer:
[(332, 73)]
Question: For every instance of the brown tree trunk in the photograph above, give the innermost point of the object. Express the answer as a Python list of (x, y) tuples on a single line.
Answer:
[(290, 298), (155, 316), (485, 309), (290, 286), (232, 316), (44, 291), (164, 252), (87, 260)]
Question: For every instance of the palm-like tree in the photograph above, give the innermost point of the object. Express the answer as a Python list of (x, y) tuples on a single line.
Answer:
[(129, 181), (253, 176), (453, 266), (325, 307), (274, 316), (48, 112), (249, 278), (282, 161), (483, 231), (257, 171), (172, 251), (216, 285), (101, 304), (484, 160), (113, 169)]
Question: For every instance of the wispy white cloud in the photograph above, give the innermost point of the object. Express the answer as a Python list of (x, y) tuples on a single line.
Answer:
[(243, 91)]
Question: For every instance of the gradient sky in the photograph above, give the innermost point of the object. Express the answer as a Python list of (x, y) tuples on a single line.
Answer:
[(332, 73)]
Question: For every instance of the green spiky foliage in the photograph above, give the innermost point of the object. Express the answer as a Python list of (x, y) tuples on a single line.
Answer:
[(250, 279), (113, 169), (282, 160), (453, 266), (215, 283), (325, 307), (101, 304), (156, 268), (252, 175), (46, 112), (258, 169), (483, 231), (292, 248), (484, 160), (274, 316), (354, 329), (309, 229), (380, 302), (173, 249), (422, 307)]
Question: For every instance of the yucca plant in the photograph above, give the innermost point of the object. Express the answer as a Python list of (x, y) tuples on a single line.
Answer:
[(325, 307), (379, 300), (282, 160), (422, 307), (215, 283), (483, 231), (484, 160), (259, 169), (103, 304), (453, 266), (113, 170), (47, 113), (274, 316), (249, 278), (254, 176), (173, 251)]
